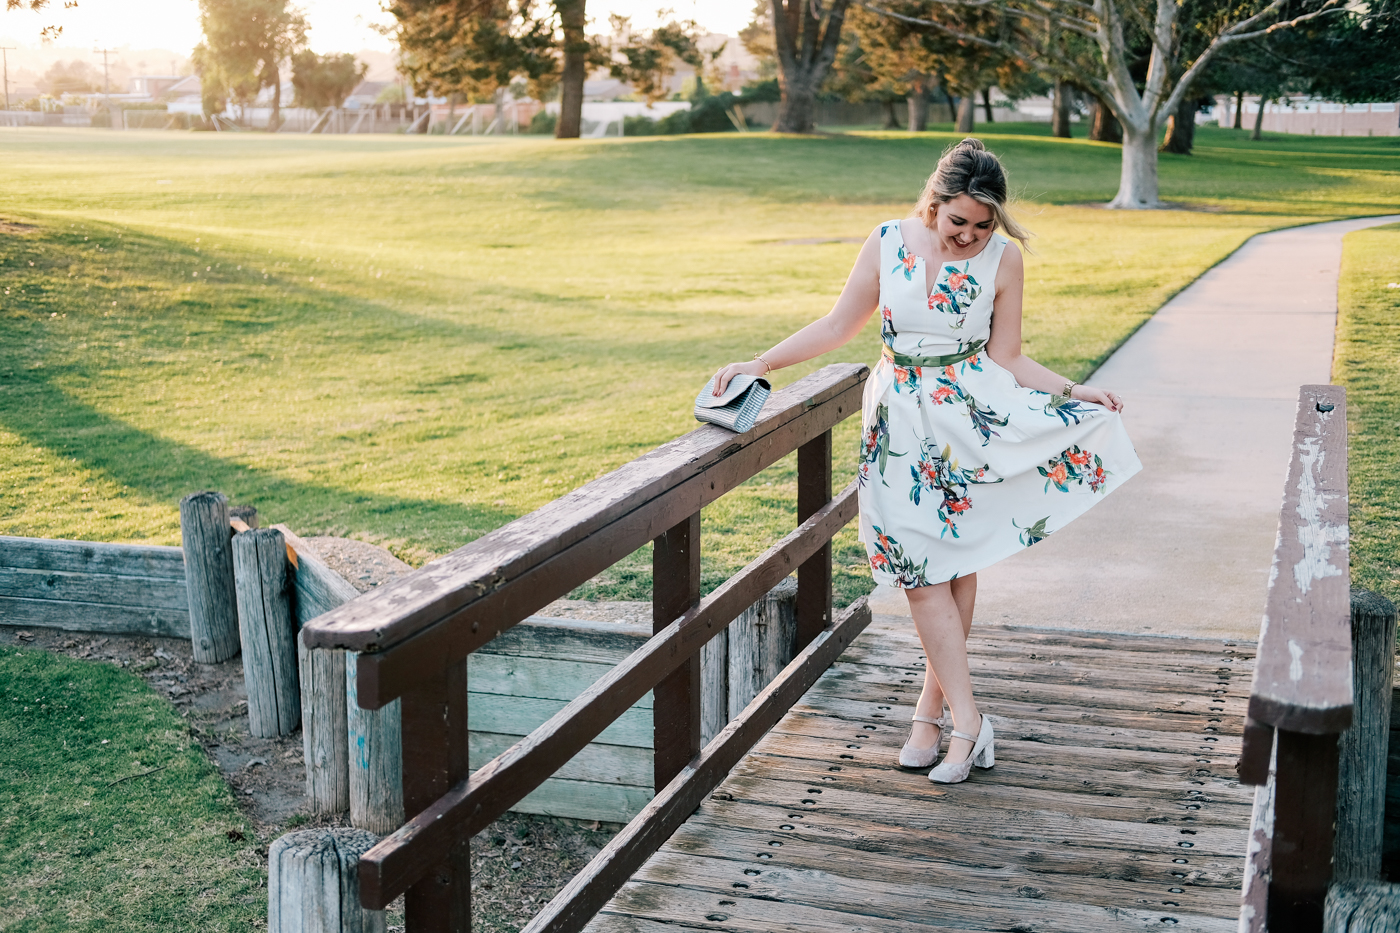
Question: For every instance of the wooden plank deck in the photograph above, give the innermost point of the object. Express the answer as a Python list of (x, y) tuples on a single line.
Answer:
[(1113, 805)]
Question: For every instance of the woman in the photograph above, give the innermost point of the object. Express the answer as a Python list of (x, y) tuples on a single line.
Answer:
[(970, 449)]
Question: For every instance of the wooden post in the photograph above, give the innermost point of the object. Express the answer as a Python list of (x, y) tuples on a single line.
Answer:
[(435, 757), (814, 576), (761, 643), (1372, 907), (324, 723), (313, 883), (1361, 781), (675, 570), (324, 728), (1305, 798), (376, 759), (740, 661), (247, 514), (205, 536), (268, 633), (714, 686)]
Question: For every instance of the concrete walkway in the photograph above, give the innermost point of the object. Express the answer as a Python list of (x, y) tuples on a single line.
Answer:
[(1211, 386)]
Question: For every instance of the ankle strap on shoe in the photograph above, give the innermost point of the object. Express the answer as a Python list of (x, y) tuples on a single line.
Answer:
[(940, 722), (964, 735)]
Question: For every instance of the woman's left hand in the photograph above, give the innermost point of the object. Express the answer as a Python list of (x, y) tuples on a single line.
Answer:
[(1109, 400)]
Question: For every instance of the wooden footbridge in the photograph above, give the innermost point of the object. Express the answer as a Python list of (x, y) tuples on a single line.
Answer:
[(1115, 803)]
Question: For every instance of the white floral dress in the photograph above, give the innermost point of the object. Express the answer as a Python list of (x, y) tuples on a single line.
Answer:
[(960, 466)]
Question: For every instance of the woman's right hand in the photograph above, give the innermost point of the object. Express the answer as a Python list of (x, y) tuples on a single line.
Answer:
[(751, 368)]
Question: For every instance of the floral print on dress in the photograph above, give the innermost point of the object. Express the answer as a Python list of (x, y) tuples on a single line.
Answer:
[(1066, 408), (937, 471), (889, 558), (948, 389), (875, 447), (907, 261), (907, 379), (955, 294), (1033, 533), (887, 331), (1074, 466)]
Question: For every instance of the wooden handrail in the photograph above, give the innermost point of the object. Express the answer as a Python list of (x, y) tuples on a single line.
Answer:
[(1302, 678), (429, 619), (1301, 698), (413, 638), (387, 869)]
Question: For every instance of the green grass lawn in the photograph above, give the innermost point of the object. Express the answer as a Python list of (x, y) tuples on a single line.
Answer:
[(417, 339), (111, 816), (1368, 364)]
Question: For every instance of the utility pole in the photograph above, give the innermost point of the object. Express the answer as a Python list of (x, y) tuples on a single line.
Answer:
[(106, 87), (5, 59)]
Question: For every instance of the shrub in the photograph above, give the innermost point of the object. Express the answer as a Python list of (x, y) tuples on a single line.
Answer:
[(639, 126), (674, 123), (755, 92), (543, 123)]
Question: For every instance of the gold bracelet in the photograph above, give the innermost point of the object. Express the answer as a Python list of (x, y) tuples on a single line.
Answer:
[(767, 366), (1069, 389)]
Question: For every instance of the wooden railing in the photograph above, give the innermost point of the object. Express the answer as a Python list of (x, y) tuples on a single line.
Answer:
[(413, 638), (1301, 699)]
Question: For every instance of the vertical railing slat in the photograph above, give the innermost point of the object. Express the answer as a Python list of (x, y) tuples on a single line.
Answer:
[(676, 714)]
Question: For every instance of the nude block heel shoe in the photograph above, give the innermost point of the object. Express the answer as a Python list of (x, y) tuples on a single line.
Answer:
[(911, 757), (983, 756)]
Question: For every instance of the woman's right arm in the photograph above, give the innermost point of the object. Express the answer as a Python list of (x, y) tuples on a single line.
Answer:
[(857, 302)]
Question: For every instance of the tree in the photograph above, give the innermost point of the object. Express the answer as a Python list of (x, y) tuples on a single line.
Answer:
[(647, 60), (806, 36), (322, 81), (1166, 26), (69, 78), (245, 44), (757, 39), (478, 47), (853, 78), (926, 59), (48, 33)]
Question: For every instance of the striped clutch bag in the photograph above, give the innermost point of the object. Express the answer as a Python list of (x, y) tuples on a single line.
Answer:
[(737, 409)]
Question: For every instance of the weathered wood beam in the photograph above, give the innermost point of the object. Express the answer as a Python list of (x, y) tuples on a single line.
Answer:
[(1302, 678)]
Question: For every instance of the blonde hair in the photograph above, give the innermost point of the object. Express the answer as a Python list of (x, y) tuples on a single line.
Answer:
[(968, 168)]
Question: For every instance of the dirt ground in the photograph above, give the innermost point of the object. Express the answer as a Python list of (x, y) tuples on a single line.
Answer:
[(518, 864)]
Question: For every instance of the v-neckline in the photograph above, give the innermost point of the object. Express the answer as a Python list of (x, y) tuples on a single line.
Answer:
[(920, 260)]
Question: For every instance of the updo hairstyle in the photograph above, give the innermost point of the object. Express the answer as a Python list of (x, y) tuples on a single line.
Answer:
[(968, 168)]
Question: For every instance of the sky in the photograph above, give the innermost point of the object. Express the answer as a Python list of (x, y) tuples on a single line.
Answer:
[(336, 25)]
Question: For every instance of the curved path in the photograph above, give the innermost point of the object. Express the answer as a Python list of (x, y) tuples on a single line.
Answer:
[(1211, 382)]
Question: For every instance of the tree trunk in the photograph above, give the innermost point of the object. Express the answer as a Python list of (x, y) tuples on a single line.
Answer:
[(805, 52), (276, 120), (1259, 120), (967, 109), (987, 104), (918, 112), (571, 16), (1239, 110), (1104, 126), (1137, 186), (1181, 128), (892, 119), (1059, 111)]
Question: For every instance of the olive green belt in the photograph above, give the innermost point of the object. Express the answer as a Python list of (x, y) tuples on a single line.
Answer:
[(900, 359)]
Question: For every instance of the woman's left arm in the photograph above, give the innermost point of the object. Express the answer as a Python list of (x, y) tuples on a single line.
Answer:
[(1004, 344)]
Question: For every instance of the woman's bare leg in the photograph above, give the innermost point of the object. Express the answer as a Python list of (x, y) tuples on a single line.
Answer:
[(943, 618)]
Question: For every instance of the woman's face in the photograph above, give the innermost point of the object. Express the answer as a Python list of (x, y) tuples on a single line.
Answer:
[(962, 225)]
